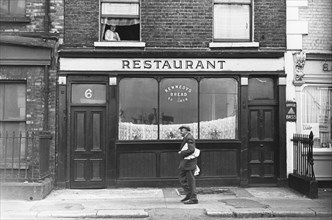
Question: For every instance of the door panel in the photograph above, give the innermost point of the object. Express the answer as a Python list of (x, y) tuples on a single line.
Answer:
[(87, 147), (262, 144)]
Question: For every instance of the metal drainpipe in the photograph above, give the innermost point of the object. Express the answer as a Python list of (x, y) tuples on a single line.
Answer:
[(46, 98), (46, 69), (47, 17)]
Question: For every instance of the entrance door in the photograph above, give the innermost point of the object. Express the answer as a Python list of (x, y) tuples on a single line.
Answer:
[(262, 145), (87, 147)]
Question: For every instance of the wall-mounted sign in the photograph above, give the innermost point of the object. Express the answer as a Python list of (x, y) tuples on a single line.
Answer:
[(290, 111), (174, 65), (308, 127)]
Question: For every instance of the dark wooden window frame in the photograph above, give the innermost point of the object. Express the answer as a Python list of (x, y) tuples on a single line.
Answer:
[(102, 32), (198, 79), (16, 82), (10, 18)]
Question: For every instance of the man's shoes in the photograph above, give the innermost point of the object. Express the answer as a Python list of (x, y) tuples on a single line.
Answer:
[(190, 202), (185, 198)]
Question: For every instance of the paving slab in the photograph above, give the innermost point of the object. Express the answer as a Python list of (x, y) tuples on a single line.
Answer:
[(253, 202), (274, 193), (243, 203), (219, 213), (294, 213), (252, 213), (88, 194), (66, 214), (127, 213), (18, 215), (322, 211)]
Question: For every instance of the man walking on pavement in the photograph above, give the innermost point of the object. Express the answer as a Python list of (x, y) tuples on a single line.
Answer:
[(187, 167)]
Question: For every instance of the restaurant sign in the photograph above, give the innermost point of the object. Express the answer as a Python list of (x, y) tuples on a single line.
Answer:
[(163, 64)]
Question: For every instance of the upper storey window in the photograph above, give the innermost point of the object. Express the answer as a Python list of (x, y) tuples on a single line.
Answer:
[(232, 20), (120, 20), (13, 8)]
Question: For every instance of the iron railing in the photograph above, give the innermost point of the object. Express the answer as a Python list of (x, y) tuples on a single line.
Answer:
[(303, 156), (24, 156)]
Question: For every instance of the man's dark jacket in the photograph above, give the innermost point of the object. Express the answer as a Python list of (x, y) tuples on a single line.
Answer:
[(188, 164)]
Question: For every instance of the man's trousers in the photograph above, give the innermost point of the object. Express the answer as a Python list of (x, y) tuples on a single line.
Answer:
[(188, 183)]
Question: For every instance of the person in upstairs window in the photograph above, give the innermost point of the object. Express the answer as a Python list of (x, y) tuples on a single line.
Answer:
[(187, 167), (111, 34)]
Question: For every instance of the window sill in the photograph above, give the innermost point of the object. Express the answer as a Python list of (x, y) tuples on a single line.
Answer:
[(16, 165), (322, 150), (233, 44), (119, 44), (10, 19)]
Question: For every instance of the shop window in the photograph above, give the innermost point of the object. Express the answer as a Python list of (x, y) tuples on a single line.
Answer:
[(151, 110), (178, 106), (12, 121), (219, 108), (120, 20), (316, 114), (14, 8), (232, 20), (138, 116), (261, 88)]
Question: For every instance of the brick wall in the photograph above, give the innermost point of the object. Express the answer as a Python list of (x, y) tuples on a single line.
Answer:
[(319, 17), (270, 23), (35, 11), (57, 17), (34, 77), (81, 22), (176, 23)]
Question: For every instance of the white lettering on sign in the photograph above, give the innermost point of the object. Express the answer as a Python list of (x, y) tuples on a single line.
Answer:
[(178, 93), (290, 111), (291, 117), (88, 94)]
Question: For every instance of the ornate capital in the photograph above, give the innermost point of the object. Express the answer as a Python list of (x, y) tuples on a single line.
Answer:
[(300, 58)]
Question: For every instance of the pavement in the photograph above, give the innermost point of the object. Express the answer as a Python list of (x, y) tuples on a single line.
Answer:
[(226, 202)]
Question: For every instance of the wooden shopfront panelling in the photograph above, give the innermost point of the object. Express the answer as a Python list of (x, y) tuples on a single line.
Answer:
[(136, 163), (152, 164)]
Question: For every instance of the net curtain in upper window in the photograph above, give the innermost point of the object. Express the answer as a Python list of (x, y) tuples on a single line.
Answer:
[(123, 14), (231, 20)]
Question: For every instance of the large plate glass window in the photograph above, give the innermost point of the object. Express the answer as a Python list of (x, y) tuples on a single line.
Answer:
[(14, 8), (12, 121), (122, 17), (152, 110), (316, 114), (232, 20), (218, 108), (178, 106), (138, 116)]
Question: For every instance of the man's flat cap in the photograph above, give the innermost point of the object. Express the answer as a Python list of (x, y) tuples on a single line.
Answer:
[(185, 127)]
